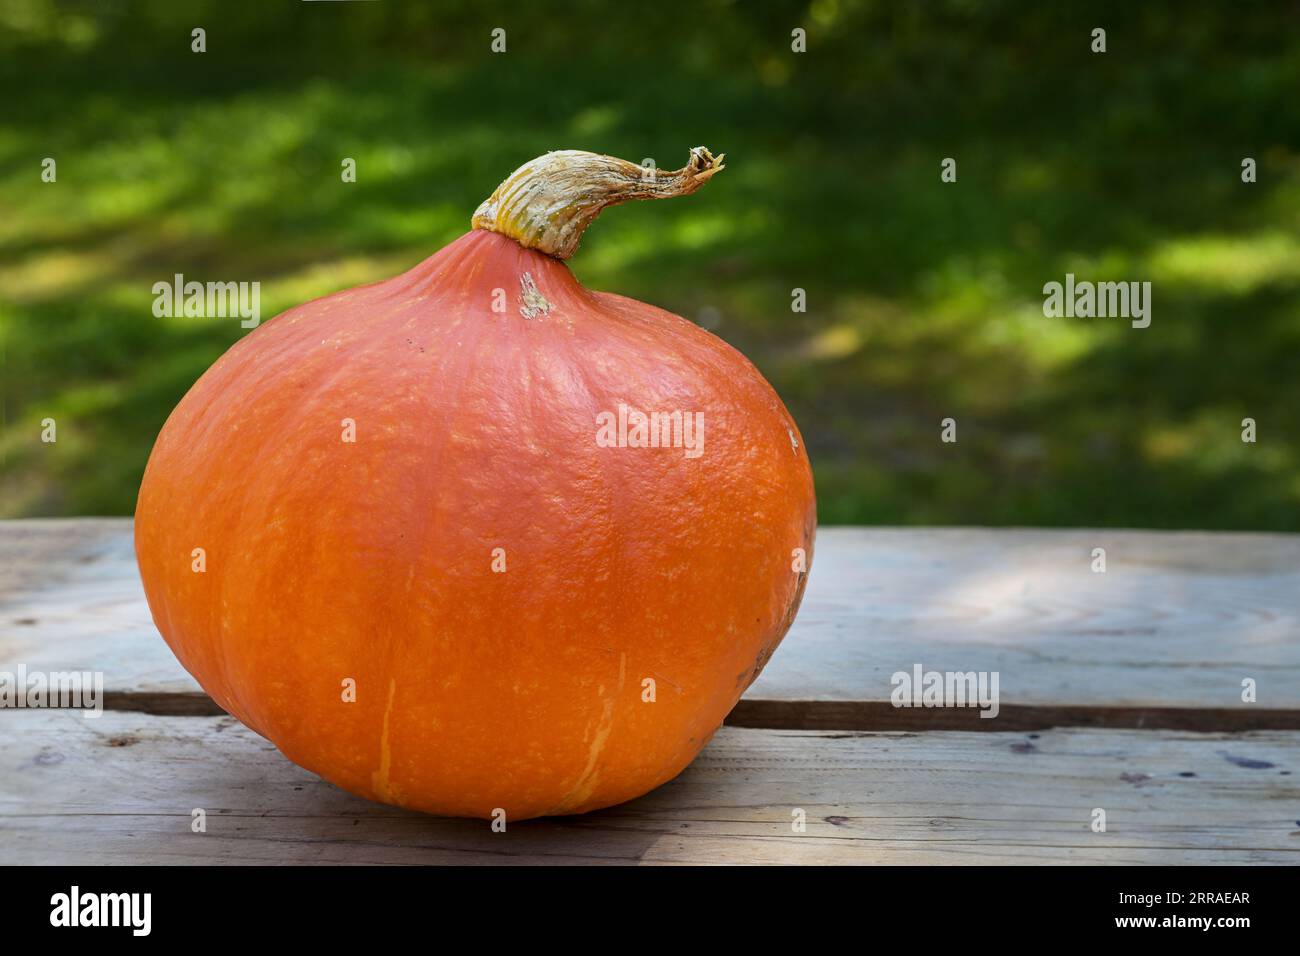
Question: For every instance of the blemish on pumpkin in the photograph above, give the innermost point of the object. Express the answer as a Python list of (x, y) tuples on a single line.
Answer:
[(586, 784), (531, 301), (126, 740), (764, 655), (379, 779), (794, 442)]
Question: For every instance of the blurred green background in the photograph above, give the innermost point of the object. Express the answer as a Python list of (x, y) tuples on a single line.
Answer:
[(924, 298)]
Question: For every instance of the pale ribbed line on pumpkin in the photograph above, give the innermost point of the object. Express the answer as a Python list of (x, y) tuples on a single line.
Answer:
[(586, 784), (380, 777)]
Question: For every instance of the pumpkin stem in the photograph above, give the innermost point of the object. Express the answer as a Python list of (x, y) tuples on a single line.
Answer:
[(548, 203)]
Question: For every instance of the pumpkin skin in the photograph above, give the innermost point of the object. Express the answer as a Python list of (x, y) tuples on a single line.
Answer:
[(373, 560)]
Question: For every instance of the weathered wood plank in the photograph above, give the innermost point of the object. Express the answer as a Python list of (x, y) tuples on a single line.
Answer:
[(121, 789), (1177, 621), (71, 599)]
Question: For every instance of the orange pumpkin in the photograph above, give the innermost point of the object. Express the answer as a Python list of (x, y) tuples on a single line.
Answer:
[(459, 551)]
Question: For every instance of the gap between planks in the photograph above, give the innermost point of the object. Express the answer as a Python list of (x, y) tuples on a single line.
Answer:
[(870, 715)]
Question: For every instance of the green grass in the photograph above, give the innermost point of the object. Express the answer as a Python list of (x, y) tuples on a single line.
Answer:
[(924, 298)]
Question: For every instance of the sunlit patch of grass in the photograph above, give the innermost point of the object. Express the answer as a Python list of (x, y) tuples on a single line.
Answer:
[(835, 342), (56, 272), (612, 248), (1045, 343), (1210, 443), (596, 121), (1219, 263), (704, 230)]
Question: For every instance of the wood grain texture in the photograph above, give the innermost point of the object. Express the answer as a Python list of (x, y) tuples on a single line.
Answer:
[(71, 599), (121, 789), (1177, 620), (1165, 636)]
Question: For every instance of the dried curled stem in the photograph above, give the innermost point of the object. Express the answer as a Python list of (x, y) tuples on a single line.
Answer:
[(548, 203)]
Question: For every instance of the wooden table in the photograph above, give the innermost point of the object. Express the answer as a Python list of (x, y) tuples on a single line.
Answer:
[(1120, 691)]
